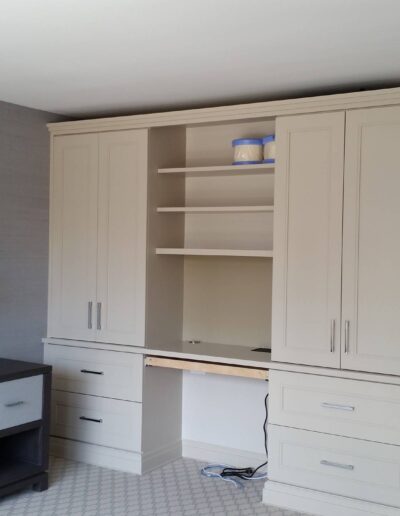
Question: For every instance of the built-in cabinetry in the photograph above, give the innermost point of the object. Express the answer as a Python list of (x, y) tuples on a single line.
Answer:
[(98, 237), (328, 311), (157, 241), (336, 304)]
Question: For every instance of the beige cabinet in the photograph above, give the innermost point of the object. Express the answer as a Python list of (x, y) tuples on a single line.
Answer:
[(308, 239), (98, 237), (73, 243), (371, 242)]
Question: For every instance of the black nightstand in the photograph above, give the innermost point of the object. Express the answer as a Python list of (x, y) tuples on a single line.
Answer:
[(24, 425)]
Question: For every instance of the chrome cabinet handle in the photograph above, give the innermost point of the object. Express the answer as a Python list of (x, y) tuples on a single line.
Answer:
[(14, 404), (99, 316), (337, 406), (89, 371), (333, 331), (83, 418), (349, 467), (346, 336), (90, 311)]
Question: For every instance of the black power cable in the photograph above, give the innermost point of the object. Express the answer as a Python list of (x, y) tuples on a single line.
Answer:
[(248, 473)]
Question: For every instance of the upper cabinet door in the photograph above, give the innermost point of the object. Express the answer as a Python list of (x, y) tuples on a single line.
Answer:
[(73, 227), (121, 271), (371, 241), (308, 239)]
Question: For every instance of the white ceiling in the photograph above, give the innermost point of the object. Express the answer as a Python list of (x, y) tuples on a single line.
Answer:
[(87, 57)]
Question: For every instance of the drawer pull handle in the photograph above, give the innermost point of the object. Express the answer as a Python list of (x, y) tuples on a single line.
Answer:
[(349, 467), (99, 316), (83, 418), (88, 371), (14, 404), (90, 312), (346, 337), (337, 406), (333, 331)]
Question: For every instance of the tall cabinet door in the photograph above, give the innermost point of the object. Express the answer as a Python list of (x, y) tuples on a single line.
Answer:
[(73, 227), (308, 239), (371, 241), (121, 275)]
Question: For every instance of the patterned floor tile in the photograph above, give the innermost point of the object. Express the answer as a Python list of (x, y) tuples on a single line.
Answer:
[(177, 489)]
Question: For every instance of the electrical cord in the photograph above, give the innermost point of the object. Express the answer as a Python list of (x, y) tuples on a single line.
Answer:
[(231, 474)]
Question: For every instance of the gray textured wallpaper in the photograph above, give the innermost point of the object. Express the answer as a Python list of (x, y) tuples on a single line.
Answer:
[(24, 192)]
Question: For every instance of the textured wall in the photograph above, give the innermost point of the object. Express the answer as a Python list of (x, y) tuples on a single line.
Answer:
[(24, 191)]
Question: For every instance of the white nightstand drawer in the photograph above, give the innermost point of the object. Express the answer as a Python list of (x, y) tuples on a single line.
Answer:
[(21, 401), (111, 374), (95, 420), (339, 465), (338, 406)]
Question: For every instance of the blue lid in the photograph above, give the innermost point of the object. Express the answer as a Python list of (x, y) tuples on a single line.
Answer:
[(269, 138), (269, 160), (246, 141), (246, 162)]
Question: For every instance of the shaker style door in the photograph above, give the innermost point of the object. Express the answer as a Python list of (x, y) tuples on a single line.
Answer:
[(308, 239), (371, 241), (73, 227), (121, 274)]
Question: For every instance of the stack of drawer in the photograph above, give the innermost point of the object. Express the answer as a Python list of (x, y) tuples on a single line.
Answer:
[(335, 435), (96, 396)]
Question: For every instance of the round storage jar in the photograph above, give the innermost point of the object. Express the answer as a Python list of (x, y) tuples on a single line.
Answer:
[(269, 148), (247, 151)]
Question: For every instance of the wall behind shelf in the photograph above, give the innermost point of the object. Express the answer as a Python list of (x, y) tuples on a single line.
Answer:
[(24, 192)]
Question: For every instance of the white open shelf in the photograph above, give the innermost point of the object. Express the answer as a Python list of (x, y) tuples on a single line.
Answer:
[(216, 209), (251, 253), (261, 168)]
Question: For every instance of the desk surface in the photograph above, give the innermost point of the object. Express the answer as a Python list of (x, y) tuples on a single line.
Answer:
[(206, 351)]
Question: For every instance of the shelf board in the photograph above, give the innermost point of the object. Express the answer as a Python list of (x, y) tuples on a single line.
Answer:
[(216, 209), (215, 252), (261, 168)]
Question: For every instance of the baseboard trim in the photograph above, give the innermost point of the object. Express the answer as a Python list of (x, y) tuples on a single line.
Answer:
[(97, 455), (156, 458), (320, 504), (220, 454)]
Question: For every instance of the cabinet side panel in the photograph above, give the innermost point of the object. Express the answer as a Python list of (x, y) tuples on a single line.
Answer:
[(164, 273)]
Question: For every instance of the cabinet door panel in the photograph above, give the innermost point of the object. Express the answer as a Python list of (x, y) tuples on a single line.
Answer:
[(371, 247), (73, 226), (308, 239), (122, 237)]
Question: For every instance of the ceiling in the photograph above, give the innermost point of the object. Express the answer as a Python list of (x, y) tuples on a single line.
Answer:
[(91, 57)]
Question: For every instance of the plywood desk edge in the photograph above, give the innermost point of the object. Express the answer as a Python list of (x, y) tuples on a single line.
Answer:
[(207, 367)]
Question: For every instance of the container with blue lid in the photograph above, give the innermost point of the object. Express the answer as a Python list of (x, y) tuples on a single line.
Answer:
[(269, 148), (247, 151)]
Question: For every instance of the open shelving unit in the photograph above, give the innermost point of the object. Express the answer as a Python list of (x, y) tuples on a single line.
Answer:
[(212, 242)]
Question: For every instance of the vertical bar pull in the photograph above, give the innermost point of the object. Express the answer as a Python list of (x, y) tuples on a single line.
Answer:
[(90, 311), (346, 336), (333, 330), (99, 316)]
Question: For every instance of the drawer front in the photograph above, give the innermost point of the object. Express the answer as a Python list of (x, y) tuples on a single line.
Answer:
[(21, 401), (338, 465), (352, 408), (111, 374), (95, 420)]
